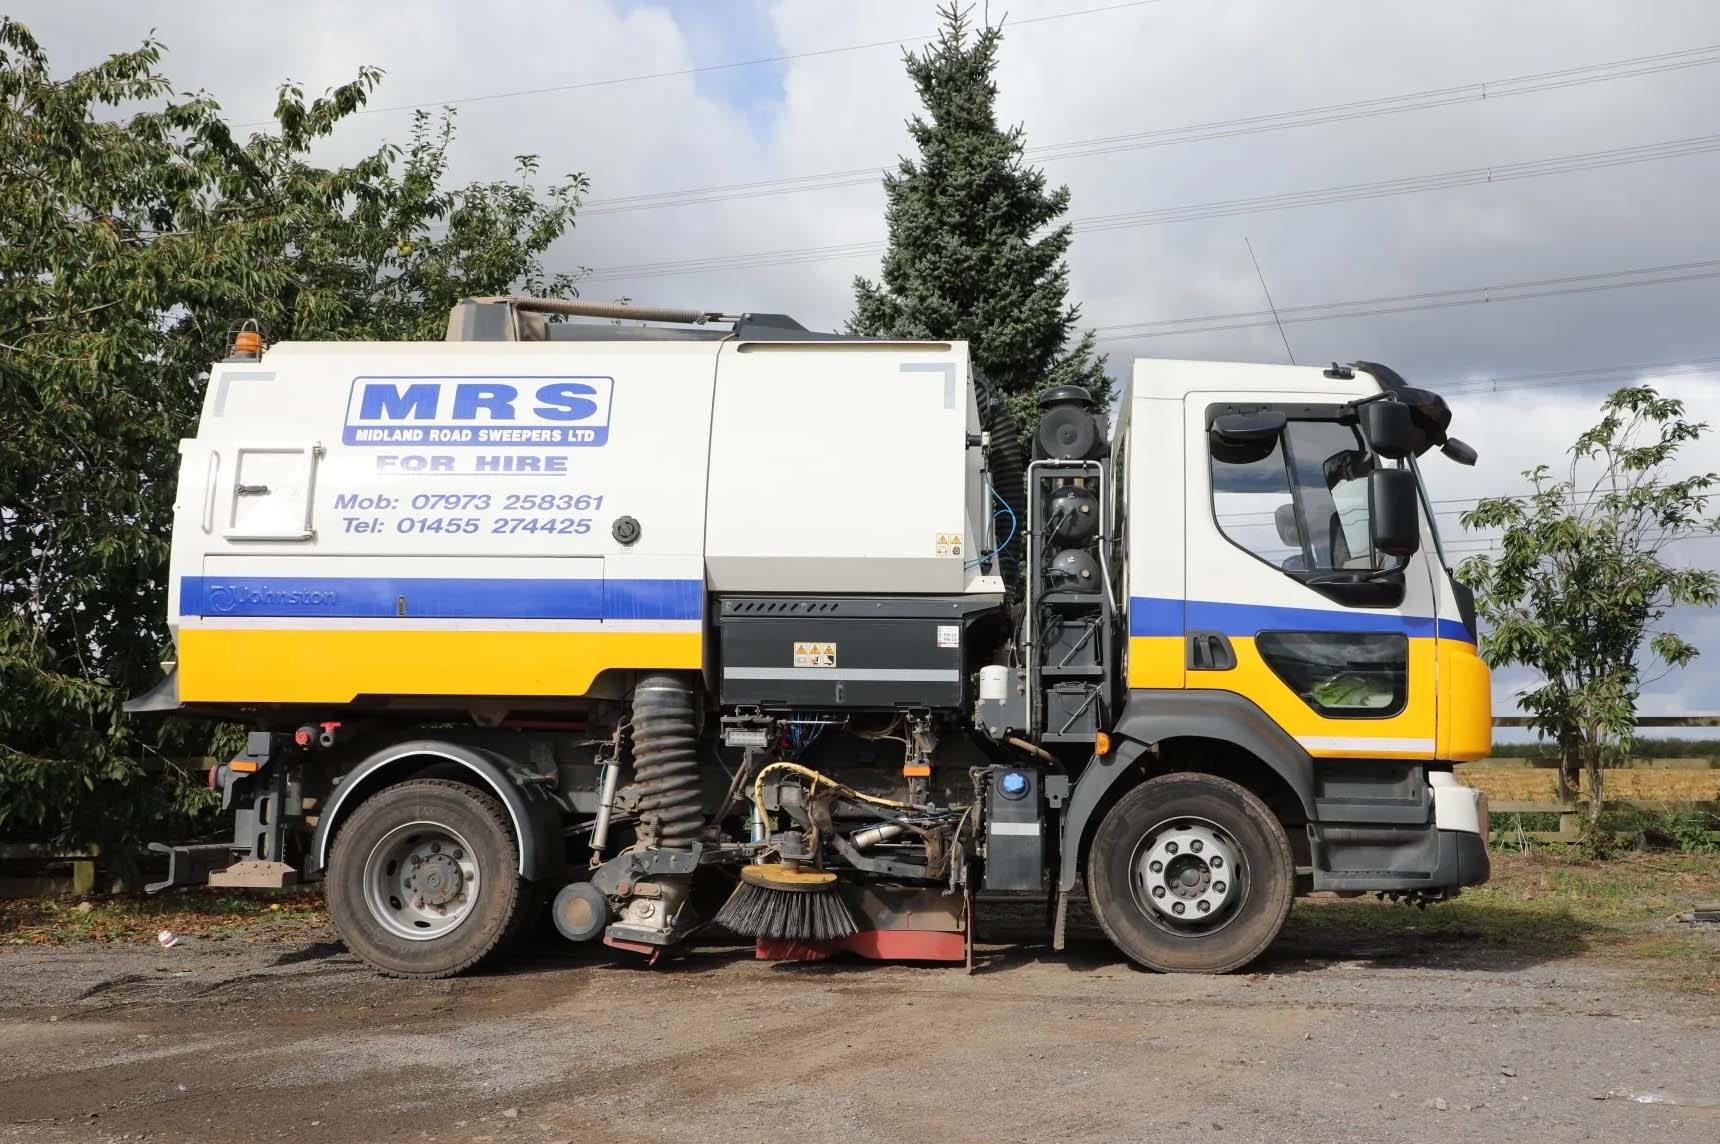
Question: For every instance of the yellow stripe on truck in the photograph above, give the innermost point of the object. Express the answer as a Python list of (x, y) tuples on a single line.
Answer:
[(336, 665), (1407, 735), (1156, 662)]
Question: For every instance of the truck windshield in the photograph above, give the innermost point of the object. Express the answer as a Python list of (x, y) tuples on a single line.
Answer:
[(1300, 500)]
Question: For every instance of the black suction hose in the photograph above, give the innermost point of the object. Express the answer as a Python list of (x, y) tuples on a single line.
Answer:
[(665, 762)]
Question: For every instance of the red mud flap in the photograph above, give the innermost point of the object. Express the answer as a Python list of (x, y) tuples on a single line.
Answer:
[(879, 945), (653, 953)]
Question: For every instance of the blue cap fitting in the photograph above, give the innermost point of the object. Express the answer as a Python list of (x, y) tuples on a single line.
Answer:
[(1013, 784)]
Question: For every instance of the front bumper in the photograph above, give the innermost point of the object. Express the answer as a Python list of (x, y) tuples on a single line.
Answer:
[(1461, 816), (1463, 860)]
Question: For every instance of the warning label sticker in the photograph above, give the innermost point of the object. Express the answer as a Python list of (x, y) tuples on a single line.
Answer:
[(814, 654), (949, 544), (949, 635)]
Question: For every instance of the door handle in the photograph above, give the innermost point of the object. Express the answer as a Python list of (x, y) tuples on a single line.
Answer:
[(1210, 651), (250, 490)]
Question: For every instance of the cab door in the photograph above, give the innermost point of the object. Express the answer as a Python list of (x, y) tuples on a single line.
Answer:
[(1288, 604)]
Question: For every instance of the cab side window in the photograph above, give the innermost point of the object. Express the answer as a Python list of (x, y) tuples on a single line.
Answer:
[(1331, 469), (1251, 499), (1299, 500)]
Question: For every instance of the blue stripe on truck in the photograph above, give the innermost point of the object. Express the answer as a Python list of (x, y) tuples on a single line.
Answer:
[(1155, 616), (441, 598)]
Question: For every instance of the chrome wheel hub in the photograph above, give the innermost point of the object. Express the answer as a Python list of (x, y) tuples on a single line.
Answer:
[(421, 881), (1186, 871)]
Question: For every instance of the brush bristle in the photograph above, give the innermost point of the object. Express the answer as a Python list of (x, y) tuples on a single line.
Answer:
[(753, 911)]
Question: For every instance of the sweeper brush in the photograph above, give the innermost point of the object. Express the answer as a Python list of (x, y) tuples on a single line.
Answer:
[(780, 901)]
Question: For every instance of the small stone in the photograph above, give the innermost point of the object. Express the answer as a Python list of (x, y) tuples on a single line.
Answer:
[(1507, 1070), (1439, 1103), (86, 907), (510, 1114)]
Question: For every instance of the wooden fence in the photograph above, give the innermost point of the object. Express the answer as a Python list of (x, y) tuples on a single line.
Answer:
[(1571, 812), (1571, 816)]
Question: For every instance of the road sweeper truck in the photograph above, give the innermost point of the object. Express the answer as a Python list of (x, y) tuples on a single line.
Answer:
[(677, 623)]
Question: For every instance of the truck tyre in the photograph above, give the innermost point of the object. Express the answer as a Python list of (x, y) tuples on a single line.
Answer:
[(423, 880), (1190, 873)]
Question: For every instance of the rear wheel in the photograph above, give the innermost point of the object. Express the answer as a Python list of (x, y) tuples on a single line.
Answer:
[(1189, 873), (423, 880)]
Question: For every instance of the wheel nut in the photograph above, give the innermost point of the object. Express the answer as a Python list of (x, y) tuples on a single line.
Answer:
[(1216, 861), (1155, 866), (1203, 906), (1195, 846), (435, 848), (459, 854), (1218, 887), (1170, 848), (1158, 891), (1177, 908)]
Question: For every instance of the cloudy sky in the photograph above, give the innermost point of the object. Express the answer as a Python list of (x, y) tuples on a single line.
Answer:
[(1552, 165)]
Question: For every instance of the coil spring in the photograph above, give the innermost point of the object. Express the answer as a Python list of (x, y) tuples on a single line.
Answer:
[(665, 763)]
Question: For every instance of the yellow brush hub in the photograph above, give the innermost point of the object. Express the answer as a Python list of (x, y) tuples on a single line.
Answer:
[(778, 876)]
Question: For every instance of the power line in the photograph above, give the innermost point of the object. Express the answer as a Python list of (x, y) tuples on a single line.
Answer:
[(1569, 284), (1200, 132), (1445, 180), (1593, 375), (702, 69)]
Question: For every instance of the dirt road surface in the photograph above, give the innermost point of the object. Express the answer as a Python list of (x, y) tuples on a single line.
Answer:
[(283, 1035)]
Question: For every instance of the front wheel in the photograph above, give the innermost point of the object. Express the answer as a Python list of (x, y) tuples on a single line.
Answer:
[(1190, 873), (423, 880)]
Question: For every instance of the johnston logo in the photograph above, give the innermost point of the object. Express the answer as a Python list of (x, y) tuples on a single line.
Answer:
[(254, 598), (554, 411)]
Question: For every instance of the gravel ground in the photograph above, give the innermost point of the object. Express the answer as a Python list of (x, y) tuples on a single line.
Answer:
[(280, 1033)]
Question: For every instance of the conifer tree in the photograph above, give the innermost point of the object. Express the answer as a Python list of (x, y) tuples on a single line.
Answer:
[(975, 249)]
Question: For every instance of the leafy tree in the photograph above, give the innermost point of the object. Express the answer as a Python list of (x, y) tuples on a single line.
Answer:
[(973, 250), (1581, 585), (135, 232)]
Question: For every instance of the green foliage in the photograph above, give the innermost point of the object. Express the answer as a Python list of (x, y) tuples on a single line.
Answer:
[(1671, 826), (973, 252), (1581, 585), (1642, 747), (135, 232)]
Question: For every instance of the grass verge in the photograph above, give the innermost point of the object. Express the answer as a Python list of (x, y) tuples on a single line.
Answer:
[(1539, 907)]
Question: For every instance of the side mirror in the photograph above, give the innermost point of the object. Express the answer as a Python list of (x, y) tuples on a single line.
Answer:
[(1396, 524), (1284, 520), (1388, 427), (1250, 428), (1458, 451)]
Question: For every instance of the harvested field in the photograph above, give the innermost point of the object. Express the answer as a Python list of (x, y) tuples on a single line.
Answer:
[(1632, 784)]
